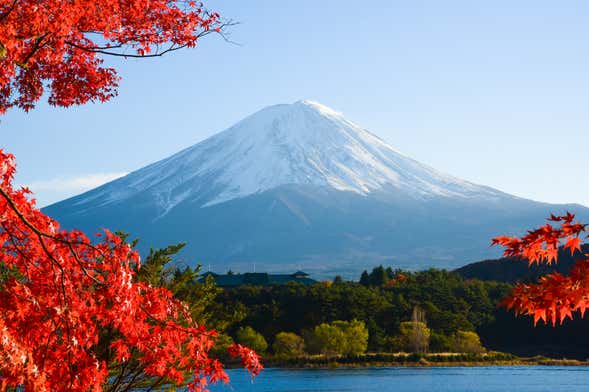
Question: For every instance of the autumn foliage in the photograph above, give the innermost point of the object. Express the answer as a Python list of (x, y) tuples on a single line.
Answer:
[(55, 45), (556, 296), (60, 292)]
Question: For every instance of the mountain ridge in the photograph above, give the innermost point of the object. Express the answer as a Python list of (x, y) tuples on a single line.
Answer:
[(301, 143), (299, 185), (512, 269)]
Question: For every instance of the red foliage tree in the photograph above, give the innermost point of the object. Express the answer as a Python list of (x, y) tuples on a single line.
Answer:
[(556, 296), (59, 292), (56, 44)]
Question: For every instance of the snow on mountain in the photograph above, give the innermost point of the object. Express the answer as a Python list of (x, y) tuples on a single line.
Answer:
[(299, 186), (301, 143)]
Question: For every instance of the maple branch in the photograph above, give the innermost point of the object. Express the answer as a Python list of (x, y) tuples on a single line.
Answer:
[(47, 340), (17, 248), (224, 34), (41, 234), (119, 378), (156, 384), (172, 48), (106, 50), (129, 386), (9, 11), (10, 234), (36, 47), (106, 47)]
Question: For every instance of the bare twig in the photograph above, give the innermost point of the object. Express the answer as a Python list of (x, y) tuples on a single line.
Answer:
[(108, 50)]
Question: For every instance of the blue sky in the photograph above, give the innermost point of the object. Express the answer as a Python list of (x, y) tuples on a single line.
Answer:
[(492, 92)]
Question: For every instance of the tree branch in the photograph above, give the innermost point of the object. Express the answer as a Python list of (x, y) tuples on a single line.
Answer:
[(35, 49), (41, 234), (116, 54), (9, 11), (107, 50)]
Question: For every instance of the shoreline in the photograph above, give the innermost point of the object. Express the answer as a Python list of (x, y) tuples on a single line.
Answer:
[(413, 360)]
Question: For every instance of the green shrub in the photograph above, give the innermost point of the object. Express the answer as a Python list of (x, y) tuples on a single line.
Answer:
[(467, 342), (252, 339), (288, 344), (326, 339), (355, 335)]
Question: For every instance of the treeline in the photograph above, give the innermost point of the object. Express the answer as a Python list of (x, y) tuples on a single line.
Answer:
[(381, 307), (452, 305), (295, 319)]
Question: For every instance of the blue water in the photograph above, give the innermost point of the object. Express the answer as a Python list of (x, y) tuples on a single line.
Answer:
[(453, 379)]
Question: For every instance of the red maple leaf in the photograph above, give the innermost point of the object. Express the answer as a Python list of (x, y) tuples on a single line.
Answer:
[(64, 290), (555, 297)]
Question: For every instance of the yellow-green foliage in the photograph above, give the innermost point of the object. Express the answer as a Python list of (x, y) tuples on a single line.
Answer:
[(467, 342), (414, 336), (356, 336), (252, 339), (326, 339), (338, 338), (288, 344)]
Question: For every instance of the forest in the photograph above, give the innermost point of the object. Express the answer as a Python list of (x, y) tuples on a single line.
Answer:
[(454, 314)]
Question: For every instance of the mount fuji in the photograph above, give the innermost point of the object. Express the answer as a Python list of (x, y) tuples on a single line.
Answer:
[(300, 186)]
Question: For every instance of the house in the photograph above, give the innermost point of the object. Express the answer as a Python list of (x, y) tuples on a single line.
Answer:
[(257, 279)]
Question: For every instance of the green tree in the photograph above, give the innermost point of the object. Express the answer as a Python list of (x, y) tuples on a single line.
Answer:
[(379, 276), (252, 339), (467, 342), (365, 278), (200, 296), (438, 342), (355, 335), (288, 344), (326, 339), (414, 336), (155, 269), (222, 343)]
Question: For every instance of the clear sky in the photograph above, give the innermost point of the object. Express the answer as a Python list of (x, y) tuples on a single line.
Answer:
[(493, 92)]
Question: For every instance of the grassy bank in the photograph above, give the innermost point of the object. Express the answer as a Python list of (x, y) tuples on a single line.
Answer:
[(403, 359)]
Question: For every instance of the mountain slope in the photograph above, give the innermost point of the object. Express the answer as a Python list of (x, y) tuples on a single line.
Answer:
[(511, 270), (303, 143), (300, 186)]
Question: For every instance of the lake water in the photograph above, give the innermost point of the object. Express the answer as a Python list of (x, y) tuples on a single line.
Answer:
[(426, 379)]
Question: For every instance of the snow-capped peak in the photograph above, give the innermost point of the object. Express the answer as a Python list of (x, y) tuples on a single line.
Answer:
[(301, 143), (319, 107)]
